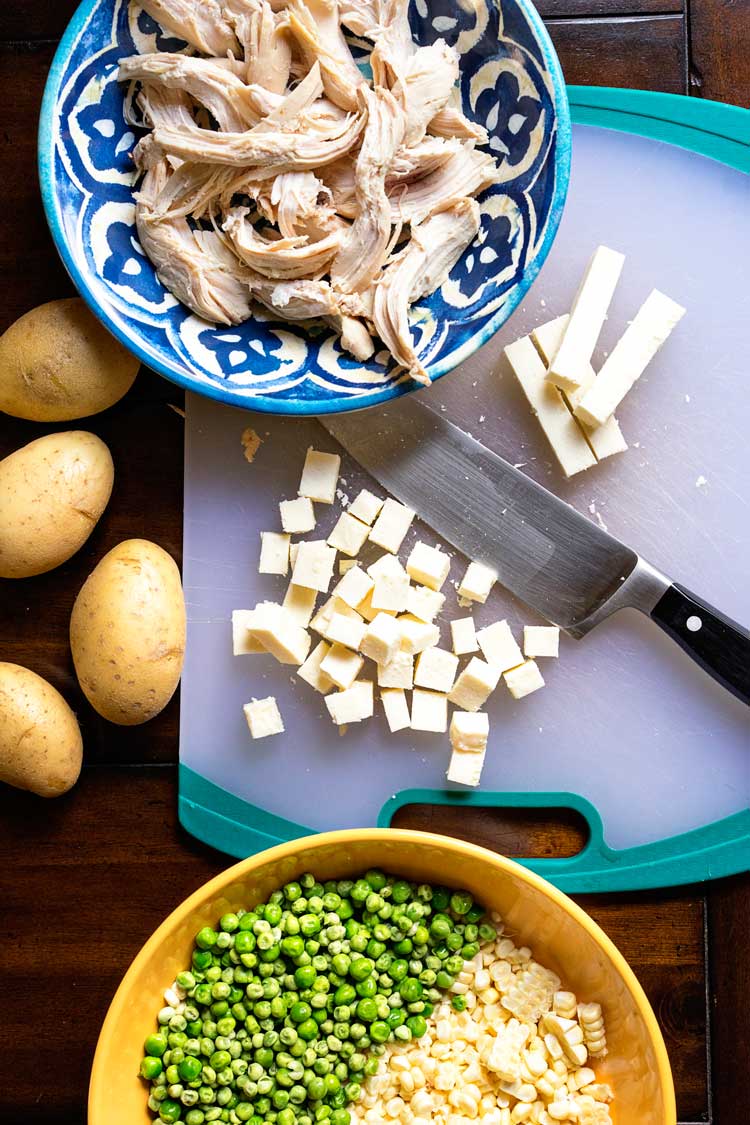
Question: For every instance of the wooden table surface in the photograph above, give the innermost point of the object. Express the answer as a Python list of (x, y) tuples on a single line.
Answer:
[(85, 879)]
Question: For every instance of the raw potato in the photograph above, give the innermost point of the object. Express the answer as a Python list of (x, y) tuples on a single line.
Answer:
[(40, 741), (58, 362), (127, 633), (52, 492)]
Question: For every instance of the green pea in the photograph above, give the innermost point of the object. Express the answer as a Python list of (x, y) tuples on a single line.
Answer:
[(458, 1003), (470, 950), (206, 938), (190, 1069), (272, 913), (475, 914), (417, 1026), (244, 941), (299, 1012), (398, 970), (194, 1117), (151, 1067), (156, 1044), (344, 994), (201, 959), (379, 1031), (169, 1110), (368, 986), (308, 1030), (309, 924), (371, 1067), (443, 980), (410, 989), (304, 976)]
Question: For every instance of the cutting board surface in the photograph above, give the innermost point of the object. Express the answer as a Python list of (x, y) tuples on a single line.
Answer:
[(626, 719)]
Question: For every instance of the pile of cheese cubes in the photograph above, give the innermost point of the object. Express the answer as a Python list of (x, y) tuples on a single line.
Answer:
[(576, 406), (520, 1050), (384, 613)]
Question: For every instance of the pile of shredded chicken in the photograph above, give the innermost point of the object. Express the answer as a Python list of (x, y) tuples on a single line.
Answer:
[(275, 172)]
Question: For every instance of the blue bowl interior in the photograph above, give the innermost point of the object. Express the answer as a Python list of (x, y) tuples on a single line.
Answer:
[(510, 82)]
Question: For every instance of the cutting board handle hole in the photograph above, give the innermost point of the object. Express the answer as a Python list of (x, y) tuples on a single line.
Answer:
[(525, 833)]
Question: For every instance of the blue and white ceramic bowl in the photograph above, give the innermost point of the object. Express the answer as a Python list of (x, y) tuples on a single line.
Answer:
[(511, 83)]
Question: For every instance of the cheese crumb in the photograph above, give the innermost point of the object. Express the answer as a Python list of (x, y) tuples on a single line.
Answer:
[(310, 671), (352, 705), (436, 669), (541, 640), (263, 717), (346, 564), (349, 535), (428, 565), (354, 586), (274, 553), (477, 583), (319, 476), (429, 711), (525, 679), (463, 636), (424, 603), (396, 709), (391, 526), (251, 443), (297, 516), (314, 565), (366, 507), (499, 646), (474, 685)]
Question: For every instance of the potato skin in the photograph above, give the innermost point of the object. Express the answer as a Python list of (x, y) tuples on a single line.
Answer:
[(52, 492), (40, 740), (58, 362), (127, 632)]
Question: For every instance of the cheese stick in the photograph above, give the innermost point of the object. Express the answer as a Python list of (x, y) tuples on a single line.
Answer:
[(560, 427), (631, 355), (569, 366), (604, 440)]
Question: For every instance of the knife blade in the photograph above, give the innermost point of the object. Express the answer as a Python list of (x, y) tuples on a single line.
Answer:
[(543, 551)]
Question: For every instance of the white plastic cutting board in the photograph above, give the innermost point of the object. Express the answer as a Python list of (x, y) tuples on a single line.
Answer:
[(626, 719)]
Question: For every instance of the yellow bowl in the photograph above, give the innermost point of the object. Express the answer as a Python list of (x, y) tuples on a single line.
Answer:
[(560, 934)]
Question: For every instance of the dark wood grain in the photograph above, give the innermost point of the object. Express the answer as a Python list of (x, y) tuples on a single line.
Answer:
[(720, 50), (109, 861), (610, 9), (26, 20), (645, 52), (546, 833), (728, 906)]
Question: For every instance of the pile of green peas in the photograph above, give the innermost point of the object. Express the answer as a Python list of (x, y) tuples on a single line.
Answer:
[(288, 1006)]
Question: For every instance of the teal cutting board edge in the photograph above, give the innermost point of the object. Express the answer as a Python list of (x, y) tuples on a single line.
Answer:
[(217, 817)]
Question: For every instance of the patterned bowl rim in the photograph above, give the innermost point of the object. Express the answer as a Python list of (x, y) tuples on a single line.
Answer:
[(341, 404)]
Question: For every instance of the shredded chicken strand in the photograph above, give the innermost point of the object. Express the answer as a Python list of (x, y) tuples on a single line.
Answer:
[(315, 25), (201, 23)]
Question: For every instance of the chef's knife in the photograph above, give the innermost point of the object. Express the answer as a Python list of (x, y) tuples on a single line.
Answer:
[(554, 559)]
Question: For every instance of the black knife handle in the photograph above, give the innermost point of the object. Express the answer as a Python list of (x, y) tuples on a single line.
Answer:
[(718, 644)]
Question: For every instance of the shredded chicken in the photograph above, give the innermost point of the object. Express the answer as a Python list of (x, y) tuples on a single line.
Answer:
[(275, 175), (436, 245)]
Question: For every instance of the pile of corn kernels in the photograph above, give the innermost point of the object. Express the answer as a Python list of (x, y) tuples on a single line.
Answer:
[(517, 1051)]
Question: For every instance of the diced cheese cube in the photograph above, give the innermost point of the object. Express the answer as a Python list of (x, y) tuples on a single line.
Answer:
[(297, 516), (243, 642), (391, 526), (429, 711), (558, 425), (629, 358), (322, 618), (469, 731), (354, 586), (398, 672), (477, 583), (466, 769), (352, 705), (463, 635), (310, 671), (314, 565), (349, 535), (523, 680), (366, 507), (300, 603), (428, 565), (499, 646), (263, 717), (391, 584), (274, 553), (423, 603), (320, 476), (382, 640), (346, 564), (367, 610), (436, 669), (568, 367), (605, 440), (342, 665), (343, 630), (417, 635), (271, 625), (396, 709), (541, 640), (293, 552), (474, 685)]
